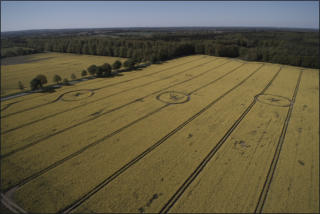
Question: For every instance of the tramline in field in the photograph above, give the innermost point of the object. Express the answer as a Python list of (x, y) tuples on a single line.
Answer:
[(194, 134)]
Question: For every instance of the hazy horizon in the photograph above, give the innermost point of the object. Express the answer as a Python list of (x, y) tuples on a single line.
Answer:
[(161, 27), (19, 16)]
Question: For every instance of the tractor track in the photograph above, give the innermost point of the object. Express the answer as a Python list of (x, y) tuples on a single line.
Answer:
[(86, 196), (107, 86), (40, 95), (102, 98), (8, 105), (273, 165), (57, 163), (209, 156), (117, 108), (13, 207)]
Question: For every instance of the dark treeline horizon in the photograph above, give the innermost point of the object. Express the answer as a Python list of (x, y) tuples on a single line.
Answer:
[(283, 47), (161, 29)]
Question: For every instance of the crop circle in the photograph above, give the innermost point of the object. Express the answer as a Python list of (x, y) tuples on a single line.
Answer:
[(274, 100), (173, 97), (77, 95)]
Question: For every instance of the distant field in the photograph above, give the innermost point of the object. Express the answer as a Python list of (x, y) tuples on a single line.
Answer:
[(25, 68), (195, 134)]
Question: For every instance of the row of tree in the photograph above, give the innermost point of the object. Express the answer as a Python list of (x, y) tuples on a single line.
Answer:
[(40, 80), (104, 70)]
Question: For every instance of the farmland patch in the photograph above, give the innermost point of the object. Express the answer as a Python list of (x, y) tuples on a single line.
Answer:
[(195, 134)]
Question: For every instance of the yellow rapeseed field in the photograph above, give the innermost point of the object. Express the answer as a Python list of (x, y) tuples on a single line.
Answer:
[(197, 134)]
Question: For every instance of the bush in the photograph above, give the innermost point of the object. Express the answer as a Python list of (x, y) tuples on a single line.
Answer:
[(84, 73), (116, 65), (21, 86), (38, 81), (73, 76), (57, 78), (34, 84), (99, 72), (93, 69), (129, 64), (66, 81), (42, 78), (105, 69)]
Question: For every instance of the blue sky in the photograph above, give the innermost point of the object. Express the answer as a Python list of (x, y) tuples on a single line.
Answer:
[(25, 15)]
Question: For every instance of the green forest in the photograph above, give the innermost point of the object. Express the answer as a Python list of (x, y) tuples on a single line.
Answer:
[(290, 48)]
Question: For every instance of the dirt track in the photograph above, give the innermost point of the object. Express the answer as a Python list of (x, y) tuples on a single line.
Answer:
[(195, 134)]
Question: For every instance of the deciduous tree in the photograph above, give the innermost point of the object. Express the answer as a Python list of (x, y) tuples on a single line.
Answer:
[(57, 78)]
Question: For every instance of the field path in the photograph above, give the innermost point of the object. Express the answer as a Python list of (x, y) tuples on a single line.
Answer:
[(240, 166), (295, 182)]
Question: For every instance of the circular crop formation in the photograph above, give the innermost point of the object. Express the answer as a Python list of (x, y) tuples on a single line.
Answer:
[(77, 95), (274, 100), (173, 97)]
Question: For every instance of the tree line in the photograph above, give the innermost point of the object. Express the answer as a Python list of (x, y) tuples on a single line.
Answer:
[(291, 48), (104, 70), (17, 51)]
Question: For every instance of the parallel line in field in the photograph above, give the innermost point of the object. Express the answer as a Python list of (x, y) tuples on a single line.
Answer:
[(57, 163), (55, 100), (97, 80), (213, 151), (273, 165), (78, 202), (9, 204), (102, 98), (110, 85), (44, 94), (8, 105), (59, 97), (39, 95), (115, 109)]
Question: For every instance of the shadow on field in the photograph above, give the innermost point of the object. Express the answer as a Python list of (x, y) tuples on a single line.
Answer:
[(111, 75), (49, 89), (22, 60)]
